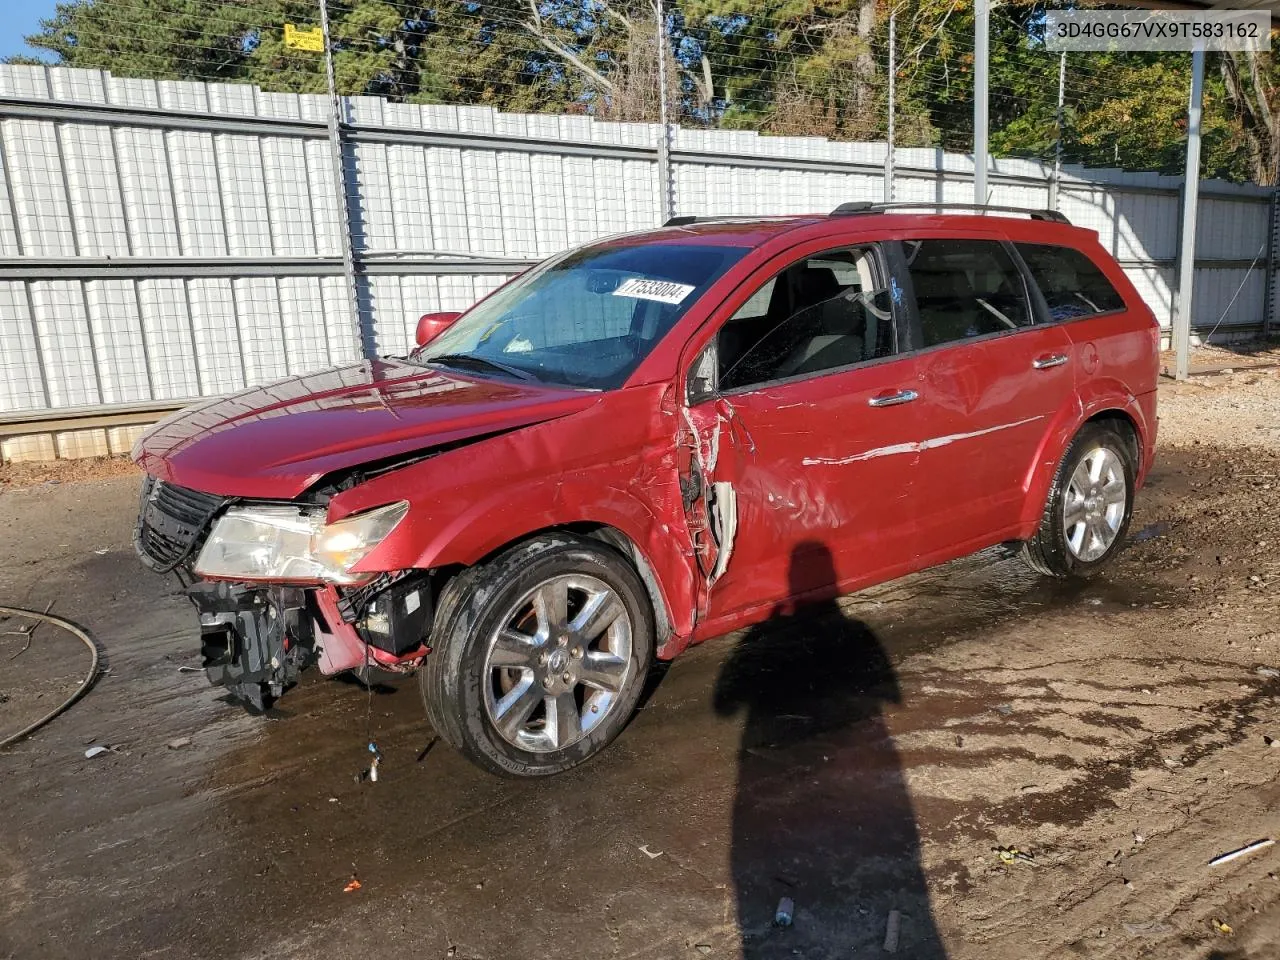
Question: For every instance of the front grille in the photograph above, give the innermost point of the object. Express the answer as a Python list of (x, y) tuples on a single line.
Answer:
[(172, 522)]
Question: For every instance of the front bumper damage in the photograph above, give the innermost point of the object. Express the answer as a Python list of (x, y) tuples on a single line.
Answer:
[(254, 642), (257, 638)]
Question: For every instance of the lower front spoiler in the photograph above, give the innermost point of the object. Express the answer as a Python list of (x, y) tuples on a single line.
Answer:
[(256, 639)]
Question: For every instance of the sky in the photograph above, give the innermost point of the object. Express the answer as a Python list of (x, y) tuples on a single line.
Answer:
[(19, 18)]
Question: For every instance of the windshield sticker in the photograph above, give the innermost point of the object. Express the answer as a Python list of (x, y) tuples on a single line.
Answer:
[(664, 291)]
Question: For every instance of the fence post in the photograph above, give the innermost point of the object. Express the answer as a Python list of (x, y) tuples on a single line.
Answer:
[(665, 206), (981, 70), (1055, 179), (893, 77), (340, 176), (1273, 260), (1187, 238)]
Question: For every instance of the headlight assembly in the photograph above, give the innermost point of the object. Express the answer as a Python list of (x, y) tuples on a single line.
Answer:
[(294, 543)]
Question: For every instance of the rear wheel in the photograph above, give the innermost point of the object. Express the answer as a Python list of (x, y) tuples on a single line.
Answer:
[(1089, 506), (540, 656)]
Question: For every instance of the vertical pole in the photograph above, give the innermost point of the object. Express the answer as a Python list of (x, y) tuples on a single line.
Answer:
[(665, 205), (1187, 238), (893, 79), (981, 66), (340, 177), (1056, 179), (1273, 261)]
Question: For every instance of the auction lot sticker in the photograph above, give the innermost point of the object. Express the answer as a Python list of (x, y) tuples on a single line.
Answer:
[(1101, 30), (664, 291)]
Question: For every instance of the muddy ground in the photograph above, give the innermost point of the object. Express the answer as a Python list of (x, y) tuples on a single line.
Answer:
[(864, 758)]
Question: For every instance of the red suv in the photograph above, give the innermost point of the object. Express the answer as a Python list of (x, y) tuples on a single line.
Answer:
[(652, 440)]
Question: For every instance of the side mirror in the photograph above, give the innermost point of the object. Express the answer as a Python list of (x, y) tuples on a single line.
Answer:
[(431, 325)]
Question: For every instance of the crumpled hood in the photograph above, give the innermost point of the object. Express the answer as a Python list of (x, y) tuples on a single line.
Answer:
[(277, 440)]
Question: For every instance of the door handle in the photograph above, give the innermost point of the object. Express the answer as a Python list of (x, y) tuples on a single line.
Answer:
[(892, 399), (1051, 360)]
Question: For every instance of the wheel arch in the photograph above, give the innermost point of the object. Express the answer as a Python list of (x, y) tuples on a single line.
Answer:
[(1124, 416), (619, 540)]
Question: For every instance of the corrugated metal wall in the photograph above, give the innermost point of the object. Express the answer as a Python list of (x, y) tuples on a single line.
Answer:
[(161, 241)]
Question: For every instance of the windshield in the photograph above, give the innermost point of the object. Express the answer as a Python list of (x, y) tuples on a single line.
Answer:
[(585, 319)]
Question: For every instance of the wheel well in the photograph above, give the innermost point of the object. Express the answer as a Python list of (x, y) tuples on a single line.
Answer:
[(1122, 424), (620, 542)]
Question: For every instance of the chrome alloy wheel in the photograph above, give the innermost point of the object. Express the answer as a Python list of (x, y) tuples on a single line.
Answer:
[(1093, 509), (557, 665)]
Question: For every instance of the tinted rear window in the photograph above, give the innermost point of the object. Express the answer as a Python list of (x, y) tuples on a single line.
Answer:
[(1071, 284)]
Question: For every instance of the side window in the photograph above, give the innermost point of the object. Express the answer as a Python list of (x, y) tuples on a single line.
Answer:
[(827, 311), (1072, 284), (965, 288)]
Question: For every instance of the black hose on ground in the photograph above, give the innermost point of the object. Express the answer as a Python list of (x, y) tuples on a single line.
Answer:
[(85, 684)]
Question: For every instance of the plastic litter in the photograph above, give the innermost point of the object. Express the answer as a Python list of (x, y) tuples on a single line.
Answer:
[(95, 752), (178, 743), (1012, 855), (652, 855), (783, 916), (1222, 927), (1242, 852), (352, 885)]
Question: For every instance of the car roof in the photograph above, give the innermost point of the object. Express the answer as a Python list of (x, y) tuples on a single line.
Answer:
[(754, 231)]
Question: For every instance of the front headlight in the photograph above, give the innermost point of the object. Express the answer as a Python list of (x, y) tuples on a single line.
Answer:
[(294, 543)]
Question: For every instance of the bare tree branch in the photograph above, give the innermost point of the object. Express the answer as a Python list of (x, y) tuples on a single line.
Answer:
[(534, 28)]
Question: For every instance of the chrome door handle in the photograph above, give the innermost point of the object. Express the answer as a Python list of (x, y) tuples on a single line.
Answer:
[(893, 399), (1053, 360)]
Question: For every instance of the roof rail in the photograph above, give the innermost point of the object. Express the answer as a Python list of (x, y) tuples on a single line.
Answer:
[(684, 221), (855, 207)]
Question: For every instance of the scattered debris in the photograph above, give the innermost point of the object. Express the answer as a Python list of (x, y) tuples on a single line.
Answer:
[(178, 743), (783, 916), (352, 885), (95, 752), (892, 928), (702, 948), (644, 848), (85, 684), (1242, 852), (27, 632), (101, 552), (1222, 927), (1013, 855), (190, 670), (1138, 838)]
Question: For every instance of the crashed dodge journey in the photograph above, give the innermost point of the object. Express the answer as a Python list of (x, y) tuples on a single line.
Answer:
[(634, 446)]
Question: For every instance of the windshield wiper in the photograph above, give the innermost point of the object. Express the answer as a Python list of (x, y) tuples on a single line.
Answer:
[(465, 360)]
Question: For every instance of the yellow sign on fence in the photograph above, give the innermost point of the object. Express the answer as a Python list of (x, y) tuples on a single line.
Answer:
[(312, 39)]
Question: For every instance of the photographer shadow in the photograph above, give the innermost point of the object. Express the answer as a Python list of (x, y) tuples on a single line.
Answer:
[(822, 813)]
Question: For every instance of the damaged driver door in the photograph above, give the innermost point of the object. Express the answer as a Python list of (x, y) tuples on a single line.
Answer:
[(795, 447)]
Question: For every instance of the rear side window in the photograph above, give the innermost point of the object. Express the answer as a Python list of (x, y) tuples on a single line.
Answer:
[(1072, 285), (965, 288)]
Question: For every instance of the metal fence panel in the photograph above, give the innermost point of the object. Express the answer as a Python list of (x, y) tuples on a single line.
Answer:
[(169, 240)]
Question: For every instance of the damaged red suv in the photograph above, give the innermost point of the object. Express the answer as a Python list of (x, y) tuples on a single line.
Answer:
[(652, 440)]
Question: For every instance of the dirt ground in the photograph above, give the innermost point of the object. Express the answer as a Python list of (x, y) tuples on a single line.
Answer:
[(867, 757)]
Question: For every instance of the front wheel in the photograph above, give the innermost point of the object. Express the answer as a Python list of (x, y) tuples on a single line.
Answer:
[(1089, 506), (540, 656)]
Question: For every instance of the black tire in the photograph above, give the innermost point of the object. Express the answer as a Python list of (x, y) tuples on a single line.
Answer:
[(469, 613), (1048, 552)]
